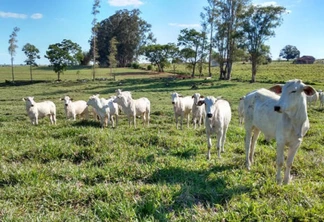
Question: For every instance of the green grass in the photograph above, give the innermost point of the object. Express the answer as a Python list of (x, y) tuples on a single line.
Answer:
[(76, 171)]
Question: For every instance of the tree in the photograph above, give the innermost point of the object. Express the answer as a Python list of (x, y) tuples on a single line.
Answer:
[(32, 54), (228, 21), (112, 61), (86, 58), (208, 17), (289, 52), (131, 32), (12, 49), (259, 24), (159, 55), (192, 41), (64, 54), (94, 30)]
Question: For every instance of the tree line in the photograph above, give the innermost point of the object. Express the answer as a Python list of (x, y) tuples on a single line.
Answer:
[(231, 30)]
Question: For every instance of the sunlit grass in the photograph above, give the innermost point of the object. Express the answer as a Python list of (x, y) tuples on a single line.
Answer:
[(76, 171)]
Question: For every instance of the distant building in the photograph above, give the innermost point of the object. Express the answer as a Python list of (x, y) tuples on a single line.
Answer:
[(305, 60)]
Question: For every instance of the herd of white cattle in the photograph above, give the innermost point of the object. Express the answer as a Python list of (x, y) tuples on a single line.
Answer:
[(280, 113)]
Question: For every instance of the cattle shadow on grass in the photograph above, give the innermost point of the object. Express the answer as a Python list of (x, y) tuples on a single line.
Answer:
[(204, 188)]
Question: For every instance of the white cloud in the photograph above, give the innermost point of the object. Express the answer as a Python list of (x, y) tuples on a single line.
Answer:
[(271, 3), (12, 15), (125, 2), (36, 16), (185, 25)]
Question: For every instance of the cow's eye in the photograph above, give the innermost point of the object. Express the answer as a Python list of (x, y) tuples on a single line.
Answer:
[(293, 91)]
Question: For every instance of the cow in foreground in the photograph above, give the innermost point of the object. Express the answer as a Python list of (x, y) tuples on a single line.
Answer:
[(198, 112), (36, 111), (75, 108), (281, 117), (218, 117), (182, 106)]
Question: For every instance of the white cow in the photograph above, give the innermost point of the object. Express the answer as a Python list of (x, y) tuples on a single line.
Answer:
[(182, 106), (281, 117), (36, 111), (104, 108), (311, 100), (321, 98), (198, 112), (134, 107), (218, 117), (126, 93), (74, 108), (241, 110)]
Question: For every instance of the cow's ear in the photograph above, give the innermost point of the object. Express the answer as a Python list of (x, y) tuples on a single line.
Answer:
[(192, 97), (200, 102), (276, 89), (202, 97), (23, 99), (309, 91)]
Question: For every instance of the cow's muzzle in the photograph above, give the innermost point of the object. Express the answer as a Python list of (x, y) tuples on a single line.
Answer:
[(209, 115), (173, 103)]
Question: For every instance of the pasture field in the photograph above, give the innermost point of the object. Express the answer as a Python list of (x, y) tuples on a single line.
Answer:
[(76, 171)]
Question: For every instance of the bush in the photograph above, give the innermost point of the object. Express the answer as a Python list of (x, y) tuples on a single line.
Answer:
[(149, 67), (135, 65)]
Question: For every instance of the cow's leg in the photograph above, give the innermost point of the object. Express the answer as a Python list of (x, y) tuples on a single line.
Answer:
[(290, 159), (224, 138), (209, 144), (219, 135), (188, 117), (248, 137), (280, 160), (134, 120), (176, 120), (181, 120), (256, 133)]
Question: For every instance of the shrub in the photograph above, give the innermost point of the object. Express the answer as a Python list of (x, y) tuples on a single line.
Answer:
[(135, 65), (149, 67)]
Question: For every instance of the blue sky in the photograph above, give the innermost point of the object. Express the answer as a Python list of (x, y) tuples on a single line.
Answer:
[(48, 22)]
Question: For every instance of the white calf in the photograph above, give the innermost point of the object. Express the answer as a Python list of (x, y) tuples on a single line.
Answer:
[(241, 110), (218, 117), (282, 117), (198, 112), (182, 106), (311, 100), (73, 109), (133, 107), (39, 110), (125, 93), (104, 108)]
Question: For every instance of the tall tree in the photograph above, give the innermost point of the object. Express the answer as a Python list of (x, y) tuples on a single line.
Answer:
[(258, 26), (289, 52), (112, 60), (131, 32), (192, 41), (12, 49), (208, 20), (228, 21), (64, 54), (32, 54), (95, 11)]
